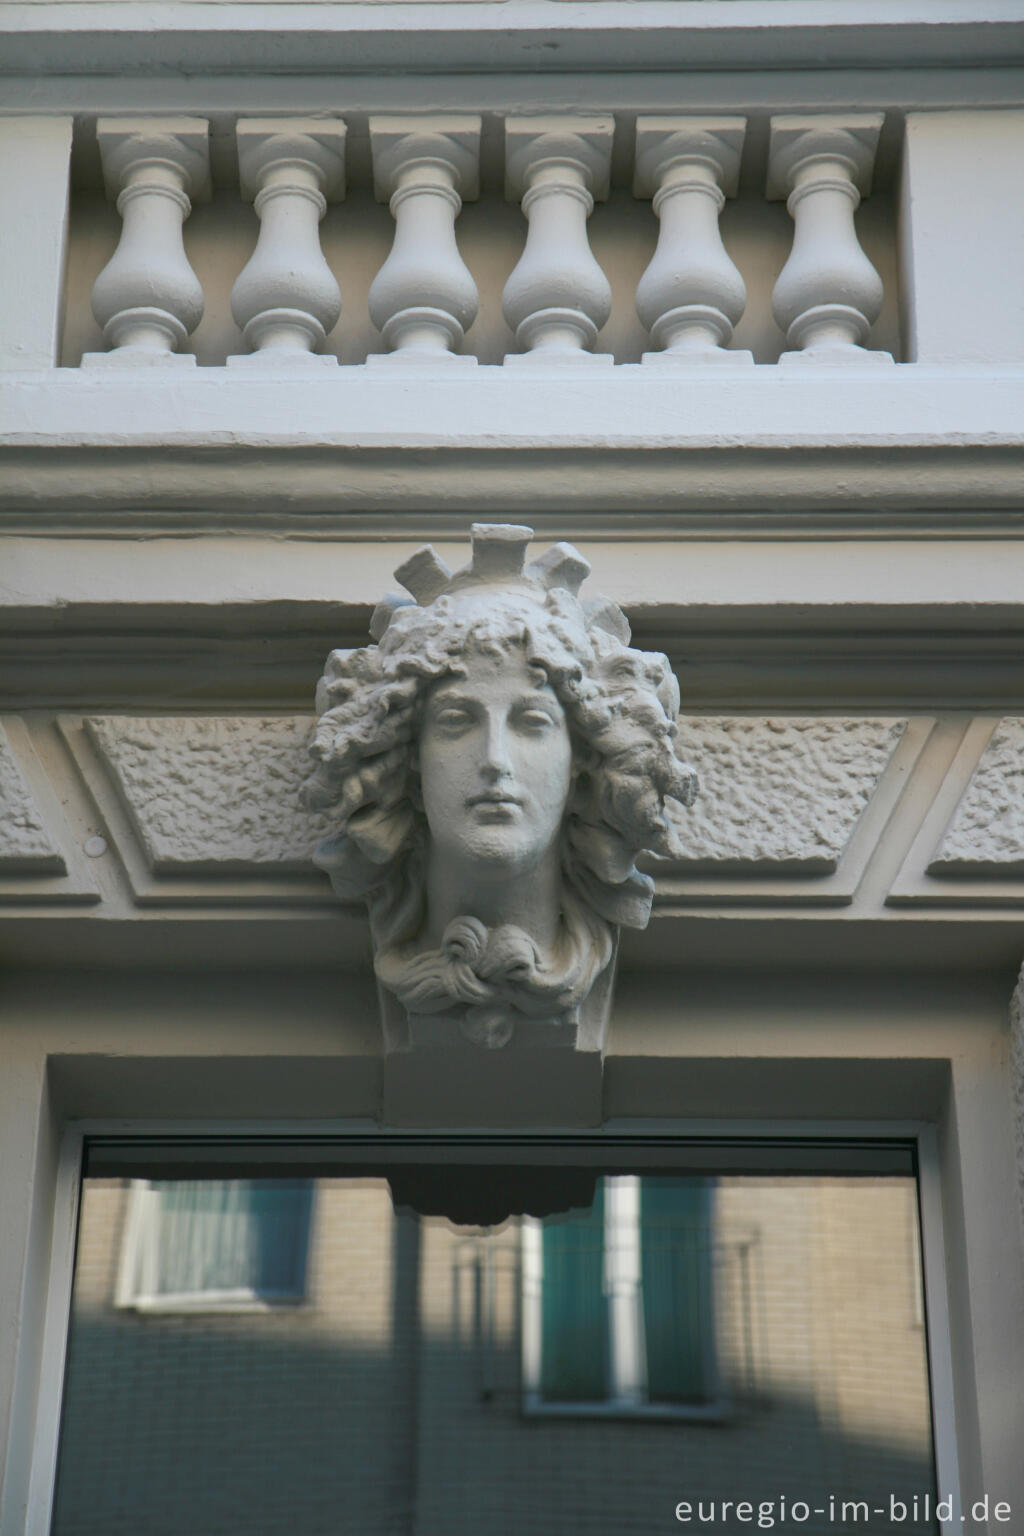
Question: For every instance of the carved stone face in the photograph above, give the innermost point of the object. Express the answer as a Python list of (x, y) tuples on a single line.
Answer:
[(495, 760)]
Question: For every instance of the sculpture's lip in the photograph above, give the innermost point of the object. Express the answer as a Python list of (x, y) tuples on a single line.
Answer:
[(494, 797)]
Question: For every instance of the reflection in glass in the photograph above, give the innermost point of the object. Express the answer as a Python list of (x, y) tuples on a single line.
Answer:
[(249, 1358), (207, 1243)]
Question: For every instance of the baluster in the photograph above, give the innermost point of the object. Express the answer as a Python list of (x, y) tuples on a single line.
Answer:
[(147, 298), (286, 300), (691, 295), (557, 298), (424, 299), (828, 294)]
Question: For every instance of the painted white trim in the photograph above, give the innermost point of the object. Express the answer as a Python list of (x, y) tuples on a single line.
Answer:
[(936, 1311), (634, 34), (757, 89), (770, 405), (55, 1334), (895, 438)]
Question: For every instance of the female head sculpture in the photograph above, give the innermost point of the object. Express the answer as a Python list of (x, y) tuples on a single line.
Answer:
[(496, 762)]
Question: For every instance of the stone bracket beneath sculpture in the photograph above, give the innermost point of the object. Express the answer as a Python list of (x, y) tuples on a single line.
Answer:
[(458, 1087)]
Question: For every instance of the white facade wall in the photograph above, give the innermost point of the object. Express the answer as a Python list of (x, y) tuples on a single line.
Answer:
[(805, 542)]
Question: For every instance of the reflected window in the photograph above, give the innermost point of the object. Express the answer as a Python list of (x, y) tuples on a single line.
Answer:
[(617, 1302), (200, 1245)]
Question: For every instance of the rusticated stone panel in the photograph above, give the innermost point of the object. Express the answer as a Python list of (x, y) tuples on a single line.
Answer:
[(221, 794), (986, 834), (779, 794), (213, 794), (25, 844)]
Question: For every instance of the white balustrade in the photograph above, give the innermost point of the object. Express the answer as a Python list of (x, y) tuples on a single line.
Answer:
[(557, 298), (691, 296), (424, 299), (286, 299), (828, 294), (147, 298)]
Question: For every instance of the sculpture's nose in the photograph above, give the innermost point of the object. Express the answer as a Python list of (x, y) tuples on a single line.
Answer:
[(496, 762)]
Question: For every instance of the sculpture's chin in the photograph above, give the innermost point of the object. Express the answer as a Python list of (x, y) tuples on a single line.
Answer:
[(496, 843)]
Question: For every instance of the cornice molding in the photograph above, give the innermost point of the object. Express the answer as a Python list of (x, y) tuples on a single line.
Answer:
[(543, 35), (633, 440)]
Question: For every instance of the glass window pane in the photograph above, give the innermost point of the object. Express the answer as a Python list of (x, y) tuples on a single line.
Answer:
[(665, 1339)]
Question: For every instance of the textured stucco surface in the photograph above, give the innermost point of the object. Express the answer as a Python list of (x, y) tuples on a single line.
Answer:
[(988, 825), (24, 840), (213, 793), (217, 792), (780, 793)]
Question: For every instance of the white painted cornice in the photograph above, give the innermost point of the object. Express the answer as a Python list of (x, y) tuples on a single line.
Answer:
[(758, 92), (772, 623), (634, 440), (532, 35)]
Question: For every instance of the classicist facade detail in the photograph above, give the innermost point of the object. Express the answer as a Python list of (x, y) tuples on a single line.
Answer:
[(692, 294), (424, 299), (551, 215), (147, 298), (215, 796), (494, 765), (828, 295), (286, 300), (557, 297)]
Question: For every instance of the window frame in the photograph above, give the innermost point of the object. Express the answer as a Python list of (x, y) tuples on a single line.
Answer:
[(660, 1133)]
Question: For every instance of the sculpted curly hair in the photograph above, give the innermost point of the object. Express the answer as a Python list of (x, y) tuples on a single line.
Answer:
[(621, 706)]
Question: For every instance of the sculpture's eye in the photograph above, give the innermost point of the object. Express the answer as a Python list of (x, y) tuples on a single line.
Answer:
[(537, 720), (452, 718)]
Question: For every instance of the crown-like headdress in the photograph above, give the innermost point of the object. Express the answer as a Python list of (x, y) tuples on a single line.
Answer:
[(499, 560)]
